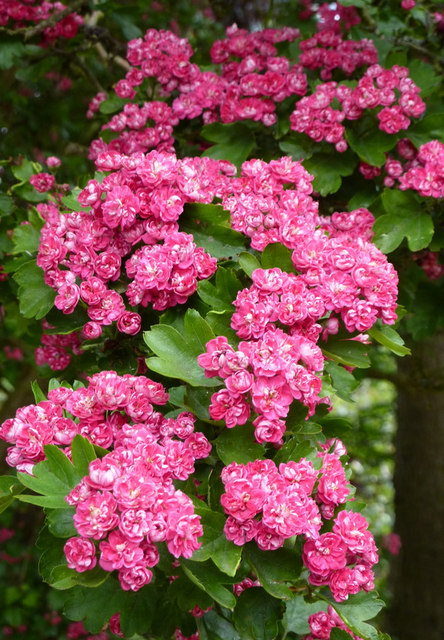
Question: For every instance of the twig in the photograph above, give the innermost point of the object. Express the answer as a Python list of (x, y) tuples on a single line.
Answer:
[(30, 32)]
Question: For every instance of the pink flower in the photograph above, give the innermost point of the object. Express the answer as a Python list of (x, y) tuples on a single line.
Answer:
[(42, 182), (80, 553)]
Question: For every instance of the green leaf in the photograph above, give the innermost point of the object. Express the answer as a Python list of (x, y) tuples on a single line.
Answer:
[(220, 295), (294, 450), (276, 255), (10, 50), (94, 606), (25, 170), (328, 170), (26, 239), (234, 142), (295, 148), (177, 353), (348, 352), (67, 323), (429, 128), (39, 396), (53, 479), (343, 381), (390, 338), (71, 203), (424, 76), (35, 297), (83, 453), (210, 226), (297, 613), (112, 105), (274, 568), (340, 634), (238, 445), (248, 262), (208, 578), (215, 546), (372, 145), (356, 610), (60, 522), (10, 488), (404, 218), (220, 322), (216, 627), (6, 205), (256, 615)]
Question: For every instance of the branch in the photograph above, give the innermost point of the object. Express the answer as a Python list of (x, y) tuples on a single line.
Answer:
[(30, 32)]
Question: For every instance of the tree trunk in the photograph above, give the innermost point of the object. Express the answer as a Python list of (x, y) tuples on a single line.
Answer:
[(418, 571)]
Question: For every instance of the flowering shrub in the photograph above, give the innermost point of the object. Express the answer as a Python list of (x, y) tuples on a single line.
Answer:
[(243, 264)]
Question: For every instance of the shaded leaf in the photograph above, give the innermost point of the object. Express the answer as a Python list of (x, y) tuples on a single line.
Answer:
[(256, 615), (238, 445), (176, 354)]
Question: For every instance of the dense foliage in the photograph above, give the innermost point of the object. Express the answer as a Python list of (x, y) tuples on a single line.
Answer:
[(206, 241)]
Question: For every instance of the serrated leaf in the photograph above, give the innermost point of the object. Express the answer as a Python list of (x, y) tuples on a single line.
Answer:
[(297, 612), (391, 229), (371, 146), (328, 170), (390, 338), (215, 546), (176, 354), (234, 142), (220, 295), (238, 445), (256, 615), (274, 568), (356, 610), (35, 297), (26, 239), (429, 128), (94, 606), (210, 227), (208, 578), (349, 352), (294, 450), (25, 170), (53, 479), (343, 381)]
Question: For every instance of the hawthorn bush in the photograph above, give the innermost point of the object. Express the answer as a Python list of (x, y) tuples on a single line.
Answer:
[(194, 254)]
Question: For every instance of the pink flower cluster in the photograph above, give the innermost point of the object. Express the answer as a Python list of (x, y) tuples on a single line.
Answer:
[(20, 14), (425, 172), (339, 274), (128, 501), (138, 204), (323, 622), (269, 505), (390, 89), (327, 51), (271, 371), (53, 350), (429, 263), (42, 182)]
